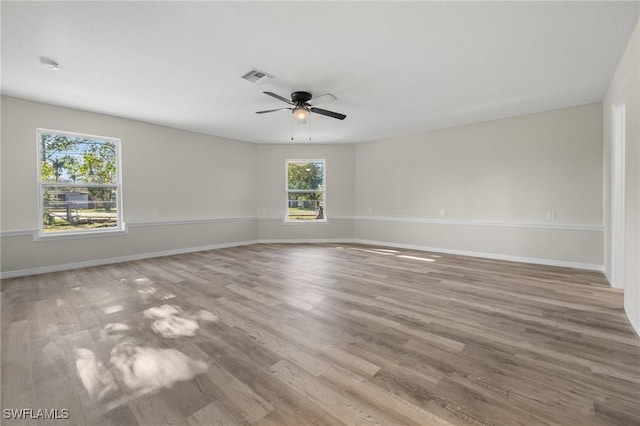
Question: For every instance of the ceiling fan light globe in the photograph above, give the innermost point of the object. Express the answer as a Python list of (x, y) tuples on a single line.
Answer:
[(300, 113)]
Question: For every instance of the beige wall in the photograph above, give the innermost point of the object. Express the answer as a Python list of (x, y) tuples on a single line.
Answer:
[(207, 191), (185, 176), (496, 181), (271, 195), (626, 82)]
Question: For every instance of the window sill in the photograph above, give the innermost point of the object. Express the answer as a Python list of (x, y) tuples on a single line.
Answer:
[(302, 222), (40, 236)]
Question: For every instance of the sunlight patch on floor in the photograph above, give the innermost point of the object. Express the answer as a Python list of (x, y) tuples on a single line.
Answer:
[(173, 326), (396, 253), (113, 309), (424, 259), (149, 369)]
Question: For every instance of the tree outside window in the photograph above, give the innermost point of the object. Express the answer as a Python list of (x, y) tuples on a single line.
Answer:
[(306, 190), (79, 180)]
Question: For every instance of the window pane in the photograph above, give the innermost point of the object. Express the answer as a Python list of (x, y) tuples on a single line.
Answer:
[(305, 175), (78, 208), (306, 205), (77, 160)]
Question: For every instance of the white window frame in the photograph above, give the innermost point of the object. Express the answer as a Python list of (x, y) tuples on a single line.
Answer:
[(286, 189), (119, 229)]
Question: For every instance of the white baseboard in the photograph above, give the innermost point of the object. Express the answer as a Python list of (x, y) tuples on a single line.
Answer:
[(307, 240), (633, 317), (98, 262), (497, 256)]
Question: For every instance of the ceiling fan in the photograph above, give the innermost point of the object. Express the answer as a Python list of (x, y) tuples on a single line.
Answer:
[(300, 106)]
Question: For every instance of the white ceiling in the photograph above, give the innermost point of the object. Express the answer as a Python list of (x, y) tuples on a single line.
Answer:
[(396, 68)]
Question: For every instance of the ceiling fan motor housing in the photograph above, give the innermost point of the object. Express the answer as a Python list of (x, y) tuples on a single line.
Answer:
[(300, 97)]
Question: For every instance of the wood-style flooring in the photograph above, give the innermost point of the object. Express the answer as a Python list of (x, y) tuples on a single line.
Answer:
[(328, 334)]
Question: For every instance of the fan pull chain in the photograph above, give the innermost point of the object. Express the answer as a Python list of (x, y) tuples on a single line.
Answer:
[(309, 128), (292, 119)]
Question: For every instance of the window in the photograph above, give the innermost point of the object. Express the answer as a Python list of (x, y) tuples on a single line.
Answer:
[(79, 180), (306, 191)]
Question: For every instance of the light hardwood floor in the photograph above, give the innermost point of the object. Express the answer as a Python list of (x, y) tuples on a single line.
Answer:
[(273, 334)]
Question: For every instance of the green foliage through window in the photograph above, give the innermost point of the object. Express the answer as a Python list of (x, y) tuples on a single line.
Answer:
[(305, 190), (79, 179)]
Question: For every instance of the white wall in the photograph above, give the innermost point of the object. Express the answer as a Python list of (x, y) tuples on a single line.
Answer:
[(271, 196), (627, 80), (202, 187), (496, 181)]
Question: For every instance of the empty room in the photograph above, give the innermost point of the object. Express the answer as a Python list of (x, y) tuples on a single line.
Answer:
[(320, 213)]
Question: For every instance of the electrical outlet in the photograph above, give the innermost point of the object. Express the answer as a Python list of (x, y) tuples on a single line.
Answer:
[(551, 215), (155, 213), (443, 212), (370, 210)]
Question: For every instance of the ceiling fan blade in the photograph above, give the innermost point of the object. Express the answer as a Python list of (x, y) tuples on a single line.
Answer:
[(328, 113), (272, 110), (322, 99), (279, 97)]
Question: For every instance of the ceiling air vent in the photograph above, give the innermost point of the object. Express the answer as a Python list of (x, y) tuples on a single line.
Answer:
[(256, 76)]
